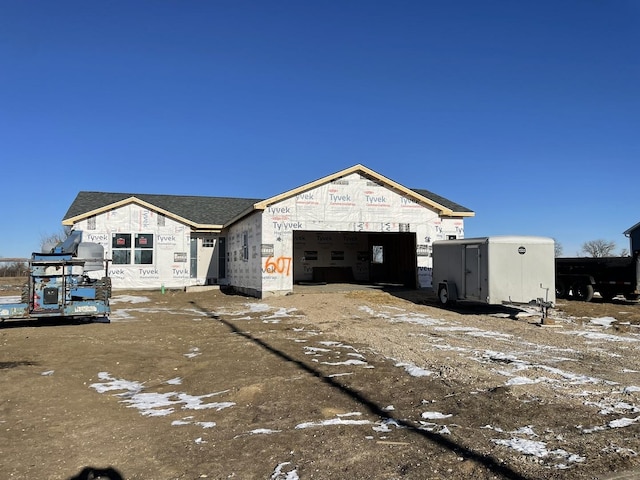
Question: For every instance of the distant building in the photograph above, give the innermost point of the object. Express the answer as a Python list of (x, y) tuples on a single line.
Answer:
[(634, 238), (352, 226)]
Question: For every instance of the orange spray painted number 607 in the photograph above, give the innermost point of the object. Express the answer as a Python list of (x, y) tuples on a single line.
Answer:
[(280, 265)]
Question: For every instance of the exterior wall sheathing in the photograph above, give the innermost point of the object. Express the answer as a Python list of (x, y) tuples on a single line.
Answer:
[(171, 264), (343, 209)]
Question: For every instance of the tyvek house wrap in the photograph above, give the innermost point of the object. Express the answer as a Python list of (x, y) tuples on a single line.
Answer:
[(171, 239), (351, 204)]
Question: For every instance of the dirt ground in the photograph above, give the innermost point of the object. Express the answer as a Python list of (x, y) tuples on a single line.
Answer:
[(335, 382)]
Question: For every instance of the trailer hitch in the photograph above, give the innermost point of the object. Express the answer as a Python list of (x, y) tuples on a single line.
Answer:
[(545, 305)]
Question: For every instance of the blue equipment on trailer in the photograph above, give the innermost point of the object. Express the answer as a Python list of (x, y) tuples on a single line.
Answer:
[(59, 286)]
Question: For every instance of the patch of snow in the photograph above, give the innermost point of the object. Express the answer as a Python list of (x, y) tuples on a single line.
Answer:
[(520, 381), (603, 321), (414, 370), (528, 430), (346, 362), (623, 422), (416, 319), (475, 332), (155, 404), (10, 299), (332, 421), (278, 473), (385, 425), (128, 299), (258, 307), (330, 343), (357, 355), (115, 384), (278, 315), (601, 336), (206, 424), (193, 352), (435, 415), (263, 431), (372, 312), (180, 422), (311, 350)]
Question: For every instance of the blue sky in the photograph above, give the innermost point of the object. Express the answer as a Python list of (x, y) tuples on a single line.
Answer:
[(527, 112)]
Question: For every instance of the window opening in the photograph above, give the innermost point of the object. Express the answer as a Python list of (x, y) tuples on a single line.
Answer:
[(143, 253), (377, 254), (245, 246), (121, 248)]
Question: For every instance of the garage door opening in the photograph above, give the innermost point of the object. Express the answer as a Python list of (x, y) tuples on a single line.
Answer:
[(354, 257)]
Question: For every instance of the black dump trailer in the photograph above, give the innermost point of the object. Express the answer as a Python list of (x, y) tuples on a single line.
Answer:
[(578, 278)]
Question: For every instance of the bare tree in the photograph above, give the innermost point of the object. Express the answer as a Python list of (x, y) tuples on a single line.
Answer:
[(625, 252), (48, 242), (599, 248), (557, 248), (14, 269)]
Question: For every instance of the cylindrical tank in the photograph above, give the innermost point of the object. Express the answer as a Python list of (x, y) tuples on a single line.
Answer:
[(94, 253)]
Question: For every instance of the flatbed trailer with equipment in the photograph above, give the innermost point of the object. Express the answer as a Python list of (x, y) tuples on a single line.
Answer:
[(59, 285)]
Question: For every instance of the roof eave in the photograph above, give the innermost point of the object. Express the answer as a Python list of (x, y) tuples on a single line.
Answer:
[(462, 214), (111, 206), (359, 168), (628, 231)]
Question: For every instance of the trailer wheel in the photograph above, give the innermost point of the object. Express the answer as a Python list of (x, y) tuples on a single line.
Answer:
[(443, 295), (561, 290), (583, 292)]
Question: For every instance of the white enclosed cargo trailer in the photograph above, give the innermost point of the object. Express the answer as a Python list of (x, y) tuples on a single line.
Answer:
[(495, 270)]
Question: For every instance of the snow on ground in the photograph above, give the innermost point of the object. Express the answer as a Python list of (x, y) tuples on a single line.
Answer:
[(524, 363), (518, 362), (10, 299), (129, 313), (128, 299), (156, 404)]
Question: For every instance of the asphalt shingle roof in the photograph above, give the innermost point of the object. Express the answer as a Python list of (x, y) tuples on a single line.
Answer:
[(456, 207), (197, 209), (200, 210)]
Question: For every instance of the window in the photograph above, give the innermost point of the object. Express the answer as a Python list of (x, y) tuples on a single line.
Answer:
[(208, 242), (245, 246), (91, 222), (143, 253), (310, 255), (337, 255), (161, 220), (121, 248), (377, 254)]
